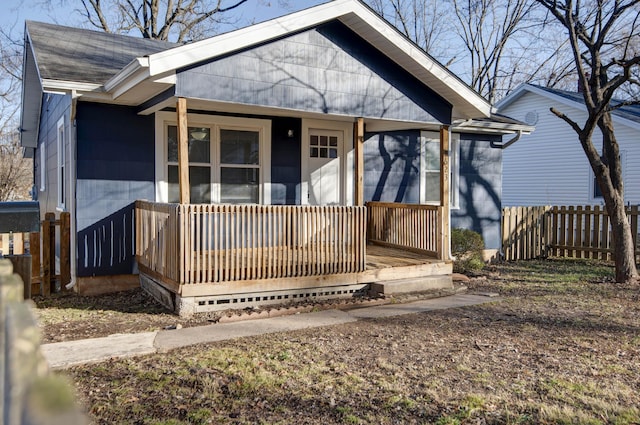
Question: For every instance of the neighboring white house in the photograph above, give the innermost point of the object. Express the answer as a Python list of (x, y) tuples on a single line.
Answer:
[(549, 167)]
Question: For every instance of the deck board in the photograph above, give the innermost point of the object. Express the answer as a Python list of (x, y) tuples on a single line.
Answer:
[(382, 257)]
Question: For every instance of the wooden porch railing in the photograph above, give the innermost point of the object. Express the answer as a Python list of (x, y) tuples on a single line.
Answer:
[(190, 244), (406, 226)]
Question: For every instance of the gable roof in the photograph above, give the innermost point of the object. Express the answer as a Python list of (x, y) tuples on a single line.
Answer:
[(127, 70), (628, 115), (85, 56)]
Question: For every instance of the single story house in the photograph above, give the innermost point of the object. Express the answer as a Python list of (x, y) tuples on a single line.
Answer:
[(314, 155), (549, 167)]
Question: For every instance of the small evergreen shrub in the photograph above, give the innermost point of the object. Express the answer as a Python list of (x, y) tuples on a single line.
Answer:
[(466, 247)]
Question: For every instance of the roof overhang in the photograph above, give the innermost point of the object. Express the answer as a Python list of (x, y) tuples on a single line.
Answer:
[(491, 127), (31, 97), (143, 73)]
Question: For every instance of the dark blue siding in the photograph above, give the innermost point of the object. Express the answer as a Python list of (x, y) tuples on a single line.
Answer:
[(480, 188), (114, 143), (392, 167), (115, 166), (327, 70), (285, 161)]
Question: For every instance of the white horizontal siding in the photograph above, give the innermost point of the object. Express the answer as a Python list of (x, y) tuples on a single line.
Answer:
[(549, 167)]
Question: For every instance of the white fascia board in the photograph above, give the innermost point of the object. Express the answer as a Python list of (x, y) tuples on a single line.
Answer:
[(132, 70), (491, 127), (62, 86), (182, 56), (31, 96), (188, 54)]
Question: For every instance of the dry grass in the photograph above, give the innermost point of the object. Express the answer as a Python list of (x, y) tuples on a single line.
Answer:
[(562, 347)]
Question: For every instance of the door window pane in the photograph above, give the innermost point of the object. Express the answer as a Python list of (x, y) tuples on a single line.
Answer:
[(239, 147), (239, 185)]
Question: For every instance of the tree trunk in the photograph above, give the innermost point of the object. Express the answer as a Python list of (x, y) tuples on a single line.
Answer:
[(612, 187)]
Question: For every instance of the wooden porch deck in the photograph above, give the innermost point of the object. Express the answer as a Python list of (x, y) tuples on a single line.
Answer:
[(207, 257)]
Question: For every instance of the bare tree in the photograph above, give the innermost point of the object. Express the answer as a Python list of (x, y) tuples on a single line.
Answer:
[(423, 21), (167, 20), (603, 36), (15, 170)]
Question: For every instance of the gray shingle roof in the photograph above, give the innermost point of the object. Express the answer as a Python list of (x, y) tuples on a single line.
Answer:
[(630, 112), (81, 55)]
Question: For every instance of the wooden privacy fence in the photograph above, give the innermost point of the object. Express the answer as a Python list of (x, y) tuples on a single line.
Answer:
[(406, 226), (562, 231), (219, 243), (28, 393), (54, 238)]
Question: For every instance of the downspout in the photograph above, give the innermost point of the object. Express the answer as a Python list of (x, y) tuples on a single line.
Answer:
[(508, 143), (504, 146)]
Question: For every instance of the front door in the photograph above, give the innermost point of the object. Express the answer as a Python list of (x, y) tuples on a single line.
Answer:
[(324, 167)]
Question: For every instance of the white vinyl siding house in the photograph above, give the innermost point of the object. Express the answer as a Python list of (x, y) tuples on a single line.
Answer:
[(549, 167)]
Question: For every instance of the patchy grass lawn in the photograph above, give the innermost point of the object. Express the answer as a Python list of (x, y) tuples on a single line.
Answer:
[(562, 347)]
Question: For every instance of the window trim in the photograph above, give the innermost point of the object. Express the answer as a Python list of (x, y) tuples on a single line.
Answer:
[(61, 164), (43, 167), (216, 123), (454, 168)]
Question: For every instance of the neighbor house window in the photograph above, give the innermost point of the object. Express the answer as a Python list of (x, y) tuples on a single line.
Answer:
[(62, 184), (596, 193), (199, 164), (430, 168)]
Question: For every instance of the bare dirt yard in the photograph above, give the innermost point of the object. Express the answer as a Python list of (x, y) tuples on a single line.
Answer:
[(562, 346)]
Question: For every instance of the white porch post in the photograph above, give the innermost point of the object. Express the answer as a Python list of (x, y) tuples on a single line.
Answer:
[(444, 192), (183, 150)]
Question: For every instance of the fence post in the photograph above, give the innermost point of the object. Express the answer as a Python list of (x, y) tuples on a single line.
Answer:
[(34, 249), (65, 248)]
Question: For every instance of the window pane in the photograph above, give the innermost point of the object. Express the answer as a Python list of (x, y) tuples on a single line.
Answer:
[(432, 189), (314, 153), (432, 154), (239, 185), (199, 144), (239, 147), (314, 141), (199, 182)]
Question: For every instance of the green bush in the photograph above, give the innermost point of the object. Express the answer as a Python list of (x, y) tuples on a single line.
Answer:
[(466, 247)]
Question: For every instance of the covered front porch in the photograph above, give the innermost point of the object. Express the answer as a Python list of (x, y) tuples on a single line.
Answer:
[(200, 258)]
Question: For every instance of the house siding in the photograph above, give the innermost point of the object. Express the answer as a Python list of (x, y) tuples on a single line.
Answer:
[(392, 167), (54, 107), (480, 188), (115, 167), (328, 70), (549, 167), (391, 174), (285, 161)]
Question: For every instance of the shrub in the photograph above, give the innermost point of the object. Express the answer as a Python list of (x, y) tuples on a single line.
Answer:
[(466, 247)]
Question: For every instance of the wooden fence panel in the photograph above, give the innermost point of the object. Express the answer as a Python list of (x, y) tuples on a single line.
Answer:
[(561, 231), (524, 231)]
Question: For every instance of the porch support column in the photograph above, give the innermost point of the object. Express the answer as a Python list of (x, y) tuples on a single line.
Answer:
[(358, 144), (183, 150), (444, 192)]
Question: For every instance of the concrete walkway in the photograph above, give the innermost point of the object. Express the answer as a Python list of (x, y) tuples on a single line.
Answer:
[(64, 354)]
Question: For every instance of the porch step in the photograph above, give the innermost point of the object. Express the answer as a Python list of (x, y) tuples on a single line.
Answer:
[(419, 284)]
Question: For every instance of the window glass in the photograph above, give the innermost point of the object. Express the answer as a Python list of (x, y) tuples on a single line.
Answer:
[(199, 184), (239, 185), (239, 147), (199, 144)]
